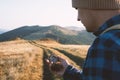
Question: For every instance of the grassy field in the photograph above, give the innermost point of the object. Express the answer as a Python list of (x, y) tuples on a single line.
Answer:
[(25, 60)]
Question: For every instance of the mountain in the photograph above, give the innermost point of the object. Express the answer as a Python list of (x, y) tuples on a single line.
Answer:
[(58, 33), (2, 31), (74, 28)]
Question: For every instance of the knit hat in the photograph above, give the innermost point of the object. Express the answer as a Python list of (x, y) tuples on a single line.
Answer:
[(96, 4)]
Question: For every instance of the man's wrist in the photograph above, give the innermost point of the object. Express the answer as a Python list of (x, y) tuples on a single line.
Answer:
[(67, 69)]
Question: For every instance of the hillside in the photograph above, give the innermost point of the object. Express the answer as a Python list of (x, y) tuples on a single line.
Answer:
[(58, 33), (74, 28), (2, 31), (25, 59)]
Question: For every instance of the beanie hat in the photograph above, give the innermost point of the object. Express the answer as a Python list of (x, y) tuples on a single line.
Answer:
[(96, 4)]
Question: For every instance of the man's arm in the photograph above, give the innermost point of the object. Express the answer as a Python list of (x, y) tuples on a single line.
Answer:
[(72, 73)]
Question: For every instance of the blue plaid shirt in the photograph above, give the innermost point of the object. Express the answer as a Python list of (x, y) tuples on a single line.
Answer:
[(103, 58)]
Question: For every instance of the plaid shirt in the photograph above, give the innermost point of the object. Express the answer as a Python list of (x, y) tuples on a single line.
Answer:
[(103, 58)]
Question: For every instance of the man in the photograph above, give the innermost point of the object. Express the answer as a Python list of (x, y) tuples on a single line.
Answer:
[(103, 58)]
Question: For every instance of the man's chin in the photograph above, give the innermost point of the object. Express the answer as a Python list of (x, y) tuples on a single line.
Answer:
[(89, 30)]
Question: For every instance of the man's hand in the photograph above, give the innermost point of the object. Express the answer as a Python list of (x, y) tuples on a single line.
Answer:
[(59, 67)]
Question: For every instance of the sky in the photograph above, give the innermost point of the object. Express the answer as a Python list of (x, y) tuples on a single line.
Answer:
[(18, 13)]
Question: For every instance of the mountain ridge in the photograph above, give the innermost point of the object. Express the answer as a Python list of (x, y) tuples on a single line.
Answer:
[(58, 33), (2, 31), (75, 28)]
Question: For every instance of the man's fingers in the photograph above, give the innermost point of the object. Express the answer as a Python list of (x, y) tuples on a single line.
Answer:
[(48, 62), (61, 59)]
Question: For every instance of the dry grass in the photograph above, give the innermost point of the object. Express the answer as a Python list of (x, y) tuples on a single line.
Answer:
[(77, 50), (20, 61), (24, 60)]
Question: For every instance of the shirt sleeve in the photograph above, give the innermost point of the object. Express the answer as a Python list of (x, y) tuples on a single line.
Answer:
[(72, 73)]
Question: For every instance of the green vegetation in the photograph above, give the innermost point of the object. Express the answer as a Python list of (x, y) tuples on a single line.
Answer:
[(60, 34)]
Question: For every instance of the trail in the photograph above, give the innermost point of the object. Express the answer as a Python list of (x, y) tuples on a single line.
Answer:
[(47, 75), (75, 60)]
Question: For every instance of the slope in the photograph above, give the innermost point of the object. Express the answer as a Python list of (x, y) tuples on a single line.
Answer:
[(25, 60), (58, 33)]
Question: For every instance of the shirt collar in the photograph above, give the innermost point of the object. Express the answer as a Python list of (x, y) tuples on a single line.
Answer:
[(111, 22)]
